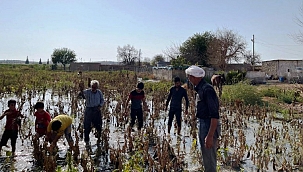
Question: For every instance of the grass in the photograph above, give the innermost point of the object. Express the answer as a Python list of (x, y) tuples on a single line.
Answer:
[(271, 96)]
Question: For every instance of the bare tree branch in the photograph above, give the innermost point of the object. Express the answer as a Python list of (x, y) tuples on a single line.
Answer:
[(173, 51)]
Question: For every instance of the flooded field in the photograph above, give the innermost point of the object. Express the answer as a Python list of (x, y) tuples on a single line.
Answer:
[(251, 140)]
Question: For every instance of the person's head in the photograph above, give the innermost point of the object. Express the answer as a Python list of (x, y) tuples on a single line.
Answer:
[(11, 104), (139, 87), (195, 74), (94, 85), (39, 106), (56, 125), (177, 81)]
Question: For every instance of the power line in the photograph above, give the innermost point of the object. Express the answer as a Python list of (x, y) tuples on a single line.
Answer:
[(279, 47), (279, 44)]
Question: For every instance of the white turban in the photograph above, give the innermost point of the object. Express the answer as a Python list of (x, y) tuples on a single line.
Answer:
[(195, 71)]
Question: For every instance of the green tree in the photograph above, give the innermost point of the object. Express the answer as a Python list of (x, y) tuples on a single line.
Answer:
[(127, 54), (27, 61), (63, 56), (194, 49), (157, 58), (179, 62)]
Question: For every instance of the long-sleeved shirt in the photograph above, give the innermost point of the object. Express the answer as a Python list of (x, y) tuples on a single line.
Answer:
[(93, 99), (175, 97), (207, 101)]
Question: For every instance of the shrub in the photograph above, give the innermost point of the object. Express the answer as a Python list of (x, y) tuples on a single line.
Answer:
[(233, 77), (286, 96), (241, 92)]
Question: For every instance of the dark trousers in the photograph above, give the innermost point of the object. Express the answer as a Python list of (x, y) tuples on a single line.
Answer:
[(171, 113), (9, 134), (136, 114), (92, 116)]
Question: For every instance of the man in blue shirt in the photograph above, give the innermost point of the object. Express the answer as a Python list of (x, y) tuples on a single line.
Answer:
[(176, 93), (208, 114), (94, 102)]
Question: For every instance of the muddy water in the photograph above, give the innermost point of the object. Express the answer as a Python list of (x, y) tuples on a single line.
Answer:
[(184, 145)]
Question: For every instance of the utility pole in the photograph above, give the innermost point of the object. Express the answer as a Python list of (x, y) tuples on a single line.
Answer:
[(139, 57), (253, 50)]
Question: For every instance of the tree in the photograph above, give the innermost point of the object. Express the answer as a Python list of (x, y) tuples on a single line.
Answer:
[(146, 61), (47, 62), (157, 58), (194, 49), (40, 62), (172, 52), (224, 48), (63, 56), (299, 36), (27, 61), (127, 54), (250, 59), (178, 62)]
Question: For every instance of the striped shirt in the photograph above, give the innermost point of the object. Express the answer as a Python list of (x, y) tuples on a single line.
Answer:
[(93, 99)]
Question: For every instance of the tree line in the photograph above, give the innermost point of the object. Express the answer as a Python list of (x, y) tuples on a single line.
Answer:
[(209, 49)]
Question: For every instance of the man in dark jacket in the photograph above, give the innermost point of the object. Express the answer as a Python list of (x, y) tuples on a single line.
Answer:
[(208, 114), (176, 93)]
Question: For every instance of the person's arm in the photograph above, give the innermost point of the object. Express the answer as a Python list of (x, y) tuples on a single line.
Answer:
[(54, 142), (2, 116), (209, 141), (48, 119), (168, 99), (213, 106), (57, 137), (19, 114), (186, 101), (48, 132)]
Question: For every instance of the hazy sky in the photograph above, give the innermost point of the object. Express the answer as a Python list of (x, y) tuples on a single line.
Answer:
[(94, 29)]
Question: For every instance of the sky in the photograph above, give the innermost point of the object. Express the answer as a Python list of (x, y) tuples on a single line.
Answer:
[(95, 28)]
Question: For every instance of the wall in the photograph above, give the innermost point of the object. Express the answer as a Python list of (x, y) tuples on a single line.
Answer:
[(280, 67), (163, 74), (166, 74), (241, 67), (84, 67), (99, 67)]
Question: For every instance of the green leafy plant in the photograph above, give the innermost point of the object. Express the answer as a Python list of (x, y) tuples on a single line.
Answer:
[(241, 92)]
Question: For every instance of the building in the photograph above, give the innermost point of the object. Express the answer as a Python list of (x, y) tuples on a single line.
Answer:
[(281, 68)]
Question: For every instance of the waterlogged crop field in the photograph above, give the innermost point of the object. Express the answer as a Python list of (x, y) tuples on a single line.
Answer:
[(252, 138)]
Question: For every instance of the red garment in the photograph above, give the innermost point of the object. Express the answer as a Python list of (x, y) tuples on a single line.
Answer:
[(42, 120), (10, 119)]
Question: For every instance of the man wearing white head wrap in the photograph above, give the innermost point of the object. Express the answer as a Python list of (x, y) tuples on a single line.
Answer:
[(195, 71), (208, 113)]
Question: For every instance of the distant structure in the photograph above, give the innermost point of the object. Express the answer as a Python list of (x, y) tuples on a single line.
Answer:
[(40, 62), (281, 68)]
